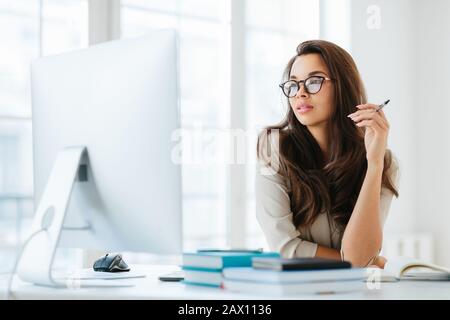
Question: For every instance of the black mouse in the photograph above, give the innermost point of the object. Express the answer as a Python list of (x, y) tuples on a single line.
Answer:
[(111, 263)]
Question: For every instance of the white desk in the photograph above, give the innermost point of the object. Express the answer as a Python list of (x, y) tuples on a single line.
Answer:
[(151, 288)]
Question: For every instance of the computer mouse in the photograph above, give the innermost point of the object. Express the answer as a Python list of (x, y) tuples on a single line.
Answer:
[(111, 263)]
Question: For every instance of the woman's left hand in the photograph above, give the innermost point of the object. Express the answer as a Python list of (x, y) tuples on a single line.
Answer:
[(376, 133), (379, 262)]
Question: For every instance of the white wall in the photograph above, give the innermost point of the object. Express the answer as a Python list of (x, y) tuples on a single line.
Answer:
[(431, 92), (384, 58), (410, 42)]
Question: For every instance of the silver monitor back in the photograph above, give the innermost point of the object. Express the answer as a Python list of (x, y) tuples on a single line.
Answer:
[(120, 100)]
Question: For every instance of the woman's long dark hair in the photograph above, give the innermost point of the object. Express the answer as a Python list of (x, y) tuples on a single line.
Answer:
[(332, 184)]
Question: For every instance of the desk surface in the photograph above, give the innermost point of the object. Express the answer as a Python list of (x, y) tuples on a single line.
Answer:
[(151, 288)]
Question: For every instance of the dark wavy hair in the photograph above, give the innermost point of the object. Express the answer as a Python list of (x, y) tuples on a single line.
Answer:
[(332, 184)]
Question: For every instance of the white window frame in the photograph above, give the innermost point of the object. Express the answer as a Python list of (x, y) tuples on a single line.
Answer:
[(104, 25), (236, 197), (104, 20)]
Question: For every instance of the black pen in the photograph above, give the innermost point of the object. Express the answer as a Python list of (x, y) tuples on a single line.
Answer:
[(381, 106)]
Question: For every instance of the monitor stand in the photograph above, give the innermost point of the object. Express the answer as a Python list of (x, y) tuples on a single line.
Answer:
[(37, 255), (38, 252)]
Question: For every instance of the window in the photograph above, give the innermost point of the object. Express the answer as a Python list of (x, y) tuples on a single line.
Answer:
[(28, 29), (203, 27)]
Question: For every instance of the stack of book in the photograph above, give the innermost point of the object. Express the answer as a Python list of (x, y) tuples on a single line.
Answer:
[(206, 267), (276, 276)]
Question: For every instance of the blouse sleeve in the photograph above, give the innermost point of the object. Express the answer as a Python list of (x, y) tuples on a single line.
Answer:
[(273, 208)]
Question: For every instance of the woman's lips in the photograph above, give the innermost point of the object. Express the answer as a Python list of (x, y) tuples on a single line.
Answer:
[(303, 108)]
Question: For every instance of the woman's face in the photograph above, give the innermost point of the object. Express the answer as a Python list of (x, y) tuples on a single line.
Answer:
[(312, 109)]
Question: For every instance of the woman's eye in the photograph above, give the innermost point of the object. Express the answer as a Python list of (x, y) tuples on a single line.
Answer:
[(314, 81), (291, 87)]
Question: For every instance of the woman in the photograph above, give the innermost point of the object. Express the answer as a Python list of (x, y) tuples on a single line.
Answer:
[(326, 179)]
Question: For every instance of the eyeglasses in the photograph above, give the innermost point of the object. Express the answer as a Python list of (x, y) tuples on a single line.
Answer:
[(312, 85)]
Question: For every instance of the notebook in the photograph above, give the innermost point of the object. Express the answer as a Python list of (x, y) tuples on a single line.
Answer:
[(405, 268), (299, 264)]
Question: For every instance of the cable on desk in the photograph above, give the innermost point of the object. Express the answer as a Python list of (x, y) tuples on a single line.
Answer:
[(16, 263)]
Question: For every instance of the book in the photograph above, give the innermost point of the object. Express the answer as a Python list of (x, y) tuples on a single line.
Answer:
[(275, 289), (203, 276), (198, 284), (223, 259), (271, 276), (298, 264), (405, 268)]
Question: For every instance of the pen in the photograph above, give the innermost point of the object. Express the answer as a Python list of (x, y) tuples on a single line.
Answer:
[(381, 106)]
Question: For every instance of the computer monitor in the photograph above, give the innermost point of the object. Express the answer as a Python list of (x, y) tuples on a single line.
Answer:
[(104, 176)]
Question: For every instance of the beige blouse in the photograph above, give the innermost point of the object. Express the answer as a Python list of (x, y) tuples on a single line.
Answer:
[(273, 212)]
